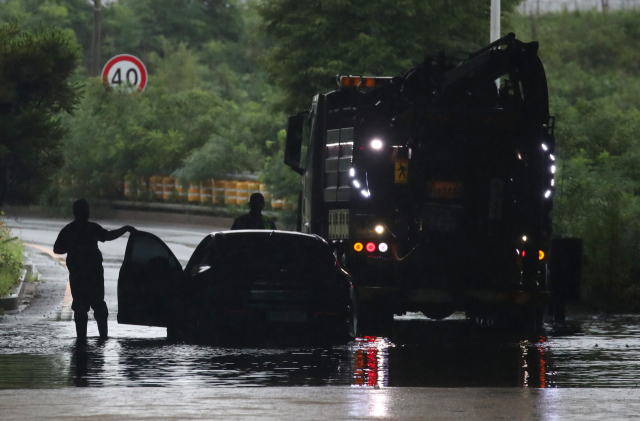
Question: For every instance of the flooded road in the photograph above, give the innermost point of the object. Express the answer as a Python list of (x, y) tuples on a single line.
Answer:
[(419, 353), (38, 350)]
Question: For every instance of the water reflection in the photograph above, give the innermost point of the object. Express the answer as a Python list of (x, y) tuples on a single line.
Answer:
[(86, 365), (597, 353), (534, 363), (371, 361)]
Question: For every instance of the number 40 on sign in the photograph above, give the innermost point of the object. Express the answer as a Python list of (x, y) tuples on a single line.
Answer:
[(125, 70)]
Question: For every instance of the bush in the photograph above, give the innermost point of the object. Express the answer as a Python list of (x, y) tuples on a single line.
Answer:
[(10, 259)]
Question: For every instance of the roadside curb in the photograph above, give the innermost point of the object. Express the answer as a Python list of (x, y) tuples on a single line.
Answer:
[(13, 300)]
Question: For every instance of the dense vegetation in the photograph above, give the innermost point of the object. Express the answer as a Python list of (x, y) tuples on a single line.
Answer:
[(10, 259), (224, 73), (35, 89)]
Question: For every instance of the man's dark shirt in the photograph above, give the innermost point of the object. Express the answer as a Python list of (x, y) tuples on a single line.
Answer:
[(251, 222), (79, 240)]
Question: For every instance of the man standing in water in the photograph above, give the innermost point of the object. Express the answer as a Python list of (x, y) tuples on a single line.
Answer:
[(79, 240)]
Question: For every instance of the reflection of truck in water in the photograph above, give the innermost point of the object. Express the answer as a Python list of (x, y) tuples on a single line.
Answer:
[(435, 187)]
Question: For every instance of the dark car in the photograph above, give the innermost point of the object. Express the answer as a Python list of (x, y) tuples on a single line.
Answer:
[(238, 282)]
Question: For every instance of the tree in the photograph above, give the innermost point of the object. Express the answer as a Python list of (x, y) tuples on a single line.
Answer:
[(35, 68), (591, 60), (313, 40), (73, 16), (140, 26)]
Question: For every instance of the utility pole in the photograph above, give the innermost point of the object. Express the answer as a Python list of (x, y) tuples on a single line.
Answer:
[(95, 39), (494, 31)]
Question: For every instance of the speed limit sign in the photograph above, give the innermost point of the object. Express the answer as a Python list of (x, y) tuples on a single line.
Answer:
[(123, 70)]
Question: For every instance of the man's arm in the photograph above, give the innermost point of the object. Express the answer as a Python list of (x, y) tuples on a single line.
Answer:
[(112, 235), (61, 246)]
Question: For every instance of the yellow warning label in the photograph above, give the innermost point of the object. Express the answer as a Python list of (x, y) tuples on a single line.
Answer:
[(402, 171)]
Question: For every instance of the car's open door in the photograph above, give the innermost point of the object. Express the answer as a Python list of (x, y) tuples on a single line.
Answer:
[(149, 280)]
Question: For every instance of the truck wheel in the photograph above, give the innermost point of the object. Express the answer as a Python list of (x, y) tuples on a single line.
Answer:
[(438, 311)]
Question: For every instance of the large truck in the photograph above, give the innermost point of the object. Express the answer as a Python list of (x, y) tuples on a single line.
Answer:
[(435, 187)]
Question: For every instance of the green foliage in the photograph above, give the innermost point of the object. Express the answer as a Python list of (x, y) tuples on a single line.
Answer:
[(284, 182), (180, 124), (10, 259), (591, 60), (74, 17), (313, 41), (196, 22), (137, 27), (35, 69), (241, 143), (116, 133)]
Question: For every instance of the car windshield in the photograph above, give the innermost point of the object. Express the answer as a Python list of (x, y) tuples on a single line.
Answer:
[(268, 255)]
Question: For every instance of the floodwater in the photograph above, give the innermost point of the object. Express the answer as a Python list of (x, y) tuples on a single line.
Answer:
[(38, 347), (591, 352)]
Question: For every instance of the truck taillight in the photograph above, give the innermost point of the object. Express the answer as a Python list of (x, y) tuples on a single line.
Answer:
[(358, 247), (371, 247), (541, 254)]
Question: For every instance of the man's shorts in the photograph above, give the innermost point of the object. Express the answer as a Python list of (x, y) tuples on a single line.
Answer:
[(87, 290), (84, 303)]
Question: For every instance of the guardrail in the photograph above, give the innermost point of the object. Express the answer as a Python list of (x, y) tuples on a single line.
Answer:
[(234, 190)]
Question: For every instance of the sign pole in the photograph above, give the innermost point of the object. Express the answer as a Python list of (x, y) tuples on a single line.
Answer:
[(494, 29), (95, 40)]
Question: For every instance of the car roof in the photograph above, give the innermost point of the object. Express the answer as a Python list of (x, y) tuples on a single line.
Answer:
[(269, 232)]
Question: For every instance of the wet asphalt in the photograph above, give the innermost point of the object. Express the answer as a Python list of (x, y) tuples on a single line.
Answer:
[(460, 364)]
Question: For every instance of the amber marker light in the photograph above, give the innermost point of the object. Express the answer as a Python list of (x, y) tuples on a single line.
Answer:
[(540, 255), (358, 247)]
